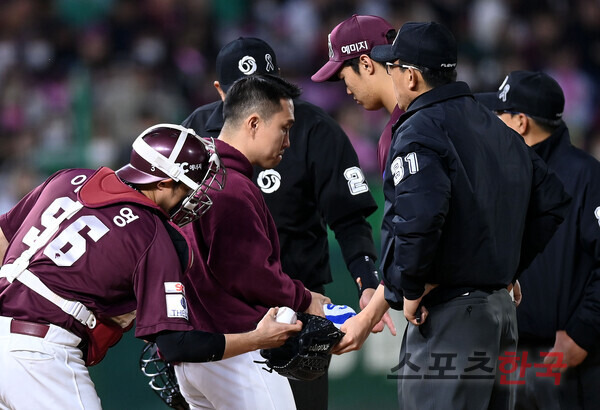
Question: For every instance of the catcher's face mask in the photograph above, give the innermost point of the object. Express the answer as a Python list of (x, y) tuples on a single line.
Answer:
[(162, 377)]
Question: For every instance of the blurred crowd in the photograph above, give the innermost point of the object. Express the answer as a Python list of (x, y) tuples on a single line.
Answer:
[(80, 79)]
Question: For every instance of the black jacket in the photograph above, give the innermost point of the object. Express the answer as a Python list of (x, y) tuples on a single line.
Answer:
[(463, 195), (561, 288), (318, 183)]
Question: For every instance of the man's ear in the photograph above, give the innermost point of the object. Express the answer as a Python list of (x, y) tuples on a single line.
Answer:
[(252, 122), (222, 93), (523, 123), (165, 184), (414, 80), (366, 64)]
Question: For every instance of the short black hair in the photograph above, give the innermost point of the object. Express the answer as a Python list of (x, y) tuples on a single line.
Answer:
[(354, 62), (259, 92)]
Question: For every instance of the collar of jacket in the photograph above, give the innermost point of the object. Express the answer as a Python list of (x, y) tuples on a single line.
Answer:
[(434, 96), (233, 159), (215, 121), (559, 137)]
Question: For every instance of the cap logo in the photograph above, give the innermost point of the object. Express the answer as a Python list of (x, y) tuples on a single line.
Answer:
[(503, 94), (330, 46), (355, 47), (448, 65), (247, 65), (269, 60)]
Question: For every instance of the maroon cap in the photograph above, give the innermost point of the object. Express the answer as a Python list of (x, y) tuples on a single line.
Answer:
[(352, 38)]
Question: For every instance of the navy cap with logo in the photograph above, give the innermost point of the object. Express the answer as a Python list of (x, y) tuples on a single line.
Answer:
[(349, 39), (429, 45), (530, 92), (242, 57)]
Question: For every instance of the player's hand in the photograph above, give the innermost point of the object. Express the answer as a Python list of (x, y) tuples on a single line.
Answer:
[(412, 313), (356, 329), (270, 333), (316, 304), (516, 292), (385, 320), (572, 353)]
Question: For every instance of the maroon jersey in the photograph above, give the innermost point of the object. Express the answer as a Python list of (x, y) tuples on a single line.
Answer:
[(237, 272), (115, 255), (385, 141)]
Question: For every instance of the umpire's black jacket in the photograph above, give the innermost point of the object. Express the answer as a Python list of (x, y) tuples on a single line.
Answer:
[(561, 287), (317, 183), (463, 194)]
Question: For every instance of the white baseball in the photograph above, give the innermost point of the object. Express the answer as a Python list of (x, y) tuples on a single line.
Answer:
[(286, 315)]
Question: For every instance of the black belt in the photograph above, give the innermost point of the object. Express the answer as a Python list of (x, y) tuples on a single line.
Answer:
[(28, 328)]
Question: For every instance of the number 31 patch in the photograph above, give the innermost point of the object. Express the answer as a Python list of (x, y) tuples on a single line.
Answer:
[(397, 166)]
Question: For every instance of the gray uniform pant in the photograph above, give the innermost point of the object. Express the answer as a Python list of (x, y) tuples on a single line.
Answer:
[(460, 357)]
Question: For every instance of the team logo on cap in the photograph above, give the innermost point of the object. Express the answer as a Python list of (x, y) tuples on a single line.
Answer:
[(330, 46), (355, 47), (247, 65)]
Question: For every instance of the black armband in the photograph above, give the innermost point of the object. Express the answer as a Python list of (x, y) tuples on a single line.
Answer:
[(364, 273), (192, 346)]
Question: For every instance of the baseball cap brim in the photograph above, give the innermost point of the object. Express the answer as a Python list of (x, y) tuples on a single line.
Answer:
[(131, 174), (491, 101), (328, 72), (383, 53)]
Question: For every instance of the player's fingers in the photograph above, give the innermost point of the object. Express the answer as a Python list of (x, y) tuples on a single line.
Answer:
[(344, 346), (424, 314), (387, 319), (378, 328), (549, 359), (412, 318)]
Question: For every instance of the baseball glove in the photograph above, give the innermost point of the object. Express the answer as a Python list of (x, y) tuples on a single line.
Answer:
[(306, 355), (162, 377)]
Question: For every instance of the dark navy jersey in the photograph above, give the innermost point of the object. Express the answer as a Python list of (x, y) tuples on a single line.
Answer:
[(114, 255), (561, 287), (467, 202), (319, 182)]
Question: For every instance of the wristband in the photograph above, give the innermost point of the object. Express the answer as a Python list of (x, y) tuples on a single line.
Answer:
[(364, 273)]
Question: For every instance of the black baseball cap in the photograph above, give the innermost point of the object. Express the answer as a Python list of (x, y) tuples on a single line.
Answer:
[(242, 57), (530, 92), (429, 45)]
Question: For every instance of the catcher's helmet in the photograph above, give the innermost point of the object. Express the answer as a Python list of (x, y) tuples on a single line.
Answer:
[(171, 151)]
